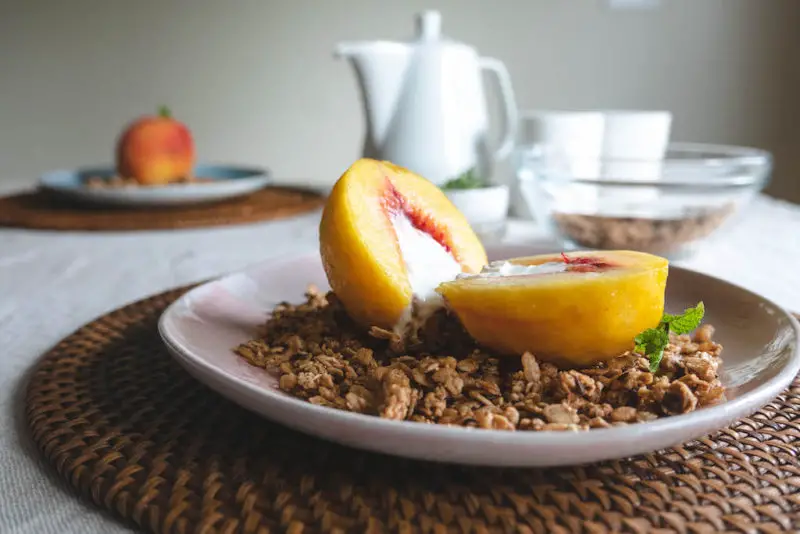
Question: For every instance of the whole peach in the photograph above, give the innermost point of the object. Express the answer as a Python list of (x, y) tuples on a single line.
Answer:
[(155, 150)]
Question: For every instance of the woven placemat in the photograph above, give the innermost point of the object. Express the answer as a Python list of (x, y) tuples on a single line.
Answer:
[(133, 432), (43, 211)]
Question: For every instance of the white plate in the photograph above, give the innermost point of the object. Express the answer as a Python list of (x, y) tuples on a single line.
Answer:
[(226, 182), (202, 327)]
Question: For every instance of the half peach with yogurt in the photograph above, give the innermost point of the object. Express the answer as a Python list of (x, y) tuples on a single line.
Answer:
[(388, 235), (575, 309)]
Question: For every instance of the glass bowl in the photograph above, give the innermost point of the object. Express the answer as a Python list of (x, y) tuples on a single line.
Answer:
[(667, 207)]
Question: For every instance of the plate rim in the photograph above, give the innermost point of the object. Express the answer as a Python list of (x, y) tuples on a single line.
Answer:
[(255, 177), (252, 170), (727, 411)]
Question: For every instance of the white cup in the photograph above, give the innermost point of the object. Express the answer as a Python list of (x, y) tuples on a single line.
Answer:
[(634, 146), (575, 139)]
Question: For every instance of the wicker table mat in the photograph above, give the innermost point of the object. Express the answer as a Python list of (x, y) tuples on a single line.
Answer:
[(133, 432), (44, 211)]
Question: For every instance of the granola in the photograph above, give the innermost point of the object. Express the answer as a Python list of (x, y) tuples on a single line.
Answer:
[(116, 181), (443, 377), (657, 236)]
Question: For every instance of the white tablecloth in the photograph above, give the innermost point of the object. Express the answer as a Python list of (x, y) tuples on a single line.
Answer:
[(53, 282)]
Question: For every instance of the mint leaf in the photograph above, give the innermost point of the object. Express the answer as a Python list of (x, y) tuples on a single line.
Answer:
[(651, 340), (687, 321), (655, 360), (652, 343), (467, 180)]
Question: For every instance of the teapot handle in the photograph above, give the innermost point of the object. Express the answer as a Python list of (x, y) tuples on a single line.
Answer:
[(496, 67)]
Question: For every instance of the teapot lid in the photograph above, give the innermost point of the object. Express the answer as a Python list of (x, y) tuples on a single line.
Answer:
[(429, 28), (428, 32), (429, 25)]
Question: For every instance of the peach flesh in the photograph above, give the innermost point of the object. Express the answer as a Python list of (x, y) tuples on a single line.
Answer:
[(360, 251), (395, 204), (580, 264)]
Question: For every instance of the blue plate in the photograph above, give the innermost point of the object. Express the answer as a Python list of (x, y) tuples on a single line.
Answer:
[(225, 182)]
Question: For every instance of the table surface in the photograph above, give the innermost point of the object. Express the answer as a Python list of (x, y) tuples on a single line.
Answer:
[(51, 283)]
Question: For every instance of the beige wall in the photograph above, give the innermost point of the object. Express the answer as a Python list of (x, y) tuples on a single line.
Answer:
[(257, 82)]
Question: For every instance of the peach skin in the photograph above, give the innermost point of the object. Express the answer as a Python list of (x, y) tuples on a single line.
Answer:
[(579, 310), (155, 150), (373, 205)]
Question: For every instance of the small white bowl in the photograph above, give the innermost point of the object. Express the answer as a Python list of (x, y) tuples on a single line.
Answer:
[(486, 209)]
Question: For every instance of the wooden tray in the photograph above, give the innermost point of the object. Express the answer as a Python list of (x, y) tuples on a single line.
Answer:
[(43, 211), (134, 433)]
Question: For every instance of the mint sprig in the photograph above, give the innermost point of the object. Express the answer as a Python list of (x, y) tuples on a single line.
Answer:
[(652, 342), (466, 180)]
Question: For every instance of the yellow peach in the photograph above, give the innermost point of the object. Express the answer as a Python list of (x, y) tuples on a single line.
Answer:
[(359, 243), (588, 313)]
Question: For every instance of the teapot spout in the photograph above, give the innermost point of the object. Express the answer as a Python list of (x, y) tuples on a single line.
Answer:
[(380, 69), (346, 50)]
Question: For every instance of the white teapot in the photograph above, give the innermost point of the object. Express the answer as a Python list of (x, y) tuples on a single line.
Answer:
[(425, 104)]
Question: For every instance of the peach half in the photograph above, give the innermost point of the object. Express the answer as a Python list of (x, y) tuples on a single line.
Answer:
[(387, 234), (571, 310)]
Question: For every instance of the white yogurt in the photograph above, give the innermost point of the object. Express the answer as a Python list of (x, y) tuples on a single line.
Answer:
[(428, 264), (504, 268)]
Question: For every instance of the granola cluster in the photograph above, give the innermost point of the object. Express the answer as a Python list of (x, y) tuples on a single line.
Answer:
[(444, 378), (114, 182)]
